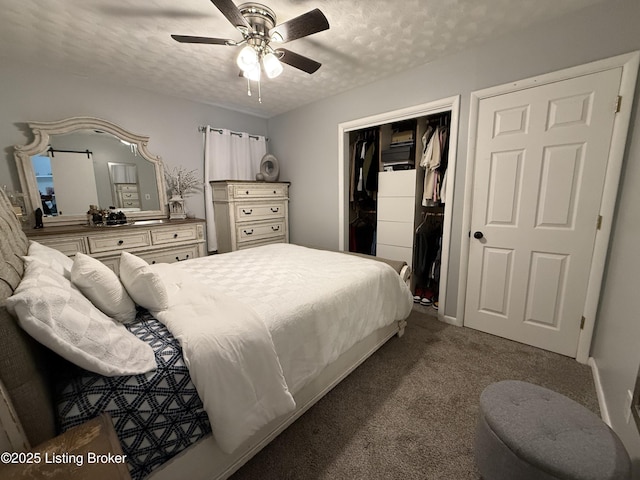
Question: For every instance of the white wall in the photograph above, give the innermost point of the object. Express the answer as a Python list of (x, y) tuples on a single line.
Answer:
[(616, 345), (306, 142), (30, 94)]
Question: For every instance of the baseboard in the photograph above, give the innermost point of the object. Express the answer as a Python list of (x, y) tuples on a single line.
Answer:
[(602, 402), (429, 310), (450, 320)]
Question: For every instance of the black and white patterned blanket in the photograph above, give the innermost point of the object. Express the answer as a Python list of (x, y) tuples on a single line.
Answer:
[(156, 415)]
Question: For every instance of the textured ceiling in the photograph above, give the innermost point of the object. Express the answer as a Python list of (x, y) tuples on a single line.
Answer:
[(127, 42)]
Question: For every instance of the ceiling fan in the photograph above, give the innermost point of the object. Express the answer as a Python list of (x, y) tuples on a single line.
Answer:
[(262, 37)]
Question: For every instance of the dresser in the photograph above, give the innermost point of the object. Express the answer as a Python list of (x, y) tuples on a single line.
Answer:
[(249, 214), (128, 196), (157, 241)]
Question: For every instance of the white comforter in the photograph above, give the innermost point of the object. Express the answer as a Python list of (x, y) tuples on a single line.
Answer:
[(257, 325)]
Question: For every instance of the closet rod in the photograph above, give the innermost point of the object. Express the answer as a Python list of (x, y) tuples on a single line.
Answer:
[(219, 130), (432, 214)]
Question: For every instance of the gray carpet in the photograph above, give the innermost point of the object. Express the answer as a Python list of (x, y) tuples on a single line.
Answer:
[(409, 411)]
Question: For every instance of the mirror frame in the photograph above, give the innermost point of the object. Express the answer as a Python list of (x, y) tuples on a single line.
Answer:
[(43, 130)]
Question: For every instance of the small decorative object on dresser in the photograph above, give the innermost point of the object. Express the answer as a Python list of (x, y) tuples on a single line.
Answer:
[(269, 168), (180, 183), (249, 214), (176, 208)]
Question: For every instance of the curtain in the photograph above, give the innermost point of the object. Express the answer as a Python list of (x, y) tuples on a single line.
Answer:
[(228, 156)]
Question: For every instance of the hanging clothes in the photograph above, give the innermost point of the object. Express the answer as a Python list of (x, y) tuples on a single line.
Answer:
[(427, 239), (443, 188), (430, 162), (364, 166), (434, 161)]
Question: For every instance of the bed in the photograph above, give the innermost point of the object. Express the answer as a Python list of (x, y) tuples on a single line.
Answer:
[(244, 281)]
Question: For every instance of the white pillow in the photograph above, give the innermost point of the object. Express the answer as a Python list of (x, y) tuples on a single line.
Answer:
[(50, 257), (143, 284), (56, 314), (102, 287)]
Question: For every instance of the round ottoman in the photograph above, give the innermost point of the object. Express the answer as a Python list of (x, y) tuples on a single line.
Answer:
[(526, 432)]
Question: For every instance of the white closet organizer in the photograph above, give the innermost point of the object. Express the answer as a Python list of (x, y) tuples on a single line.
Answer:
[(396, 215), (249, 214)]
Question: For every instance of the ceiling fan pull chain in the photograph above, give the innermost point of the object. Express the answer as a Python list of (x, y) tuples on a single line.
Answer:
[(248, 87), (259, 93)]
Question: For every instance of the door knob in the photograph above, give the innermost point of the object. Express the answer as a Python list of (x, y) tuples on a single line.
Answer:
[(478, 235)]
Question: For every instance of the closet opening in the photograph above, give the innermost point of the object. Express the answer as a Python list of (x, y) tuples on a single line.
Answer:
[(397, 177)]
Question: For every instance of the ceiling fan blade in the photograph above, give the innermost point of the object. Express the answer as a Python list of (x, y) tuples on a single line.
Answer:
[(306, 24), (229, 10), (206, 40), (296, 60)]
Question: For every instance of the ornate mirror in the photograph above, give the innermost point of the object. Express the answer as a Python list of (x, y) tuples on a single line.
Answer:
[(83, 161)]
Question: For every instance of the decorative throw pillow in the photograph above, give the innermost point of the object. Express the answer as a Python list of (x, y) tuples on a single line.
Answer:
[(56, 314), (50, 257), (102, 287), (143, 284)]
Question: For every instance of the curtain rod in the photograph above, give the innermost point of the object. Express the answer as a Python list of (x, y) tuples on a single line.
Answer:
[(219, 130), (52, 151)]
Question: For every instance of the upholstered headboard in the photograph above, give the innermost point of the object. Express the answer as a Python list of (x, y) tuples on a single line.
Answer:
[(24, 364)]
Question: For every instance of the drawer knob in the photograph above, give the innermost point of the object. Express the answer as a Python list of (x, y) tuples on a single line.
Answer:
[(248, 232), (120, 242), (153, 262), (247, 192), (247, 212), (175, 235), (274, 192), (275, 210), (276, 229)]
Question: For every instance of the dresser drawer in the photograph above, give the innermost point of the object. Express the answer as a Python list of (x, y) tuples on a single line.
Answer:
[(252, 232), (69, 246), (174, 235), (130, 204), (399, 234), (128, 188), (177, 254), (267, 241), (129, 195), (115, 242), (251, 212), (260, 190)]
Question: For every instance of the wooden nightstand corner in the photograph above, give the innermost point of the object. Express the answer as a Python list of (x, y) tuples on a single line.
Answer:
[(88, 451)]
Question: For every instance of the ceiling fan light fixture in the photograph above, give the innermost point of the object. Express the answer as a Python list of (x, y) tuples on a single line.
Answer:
[(272, 66), (248, 58), (252, 73), (258, 26)]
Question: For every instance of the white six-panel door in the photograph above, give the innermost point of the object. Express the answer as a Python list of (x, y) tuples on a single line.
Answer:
[(540, 164)]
